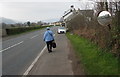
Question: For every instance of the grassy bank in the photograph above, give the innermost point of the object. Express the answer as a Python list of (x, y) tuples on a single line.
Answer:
[(94, 60), (16, 31)]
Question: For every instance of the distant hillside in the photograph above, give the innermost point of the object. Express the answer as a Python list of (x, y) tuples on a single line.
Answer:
[(52, 20), (7, 21)]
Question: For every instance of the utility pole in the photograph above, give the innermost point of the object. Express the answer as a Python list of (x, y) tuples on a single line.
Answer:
[(106, 5)]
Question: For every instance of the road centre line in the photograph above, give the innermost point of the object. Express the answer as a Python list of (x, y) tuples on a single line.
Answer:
[(36, 36), (11, 46), (33, 36)]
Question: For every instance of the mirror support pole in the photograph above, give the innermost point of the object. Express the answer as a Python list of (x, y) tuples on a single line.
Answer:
[(109, 26)]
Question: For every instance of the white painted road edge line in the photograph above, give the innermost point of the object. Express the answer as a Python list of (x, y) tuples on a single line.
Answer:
[(11, 46), (36, 59), (33, 36)]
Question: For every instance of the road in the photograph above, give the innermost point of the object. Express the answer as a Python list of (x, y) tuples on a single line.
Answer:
[(18, 53)]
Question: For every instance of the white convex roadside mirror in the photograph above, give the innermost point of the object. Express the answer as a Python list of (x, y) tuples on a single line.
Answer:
[(104, 18)]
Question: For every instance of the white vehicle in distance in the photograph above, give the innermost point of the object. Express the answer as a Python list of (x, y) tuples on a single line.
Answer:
[(61, 30)]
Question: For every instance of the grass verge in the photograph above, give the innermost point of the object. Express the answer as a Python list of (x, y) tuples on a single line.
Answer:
[(94, 60)]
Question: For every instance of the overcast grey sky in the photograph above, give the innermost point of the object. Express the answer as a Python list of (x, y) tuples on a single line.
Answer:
[(36, 10)]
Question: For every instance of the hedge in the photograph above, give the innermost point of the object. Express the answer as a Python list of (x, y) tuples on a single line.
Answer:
[(18, 30)]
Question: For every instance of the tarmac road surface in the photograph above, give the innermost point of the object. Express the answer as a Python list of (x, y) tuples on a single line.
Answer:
[(18, 53)]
